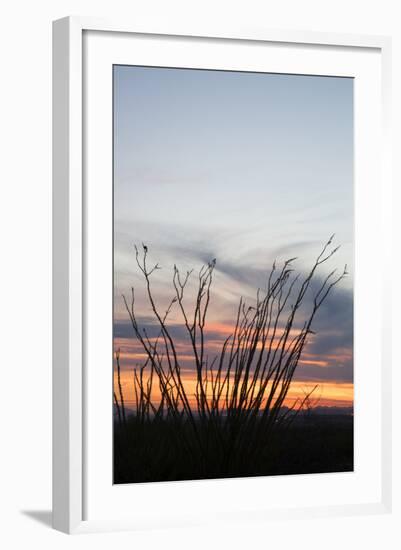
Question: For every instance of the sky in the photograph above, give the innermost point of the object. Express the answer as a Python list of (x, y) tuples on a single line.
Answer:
[(246, 168)]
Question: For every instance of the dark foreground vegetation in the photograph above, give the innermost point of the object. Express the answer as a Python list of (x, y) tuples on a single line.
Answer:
[(236, 422), (157, 451)]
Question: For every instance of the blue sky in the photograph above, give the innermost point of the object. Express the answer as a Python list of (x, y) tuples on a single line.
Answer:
[(242, 167)]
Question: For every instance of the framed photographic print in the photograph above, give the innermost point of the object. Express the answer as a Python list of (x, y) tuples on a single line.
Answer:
[(218, 200)]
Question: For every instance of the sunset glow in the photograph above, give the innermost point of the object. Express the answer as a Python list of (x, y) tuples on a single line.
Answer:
[(328, 393)]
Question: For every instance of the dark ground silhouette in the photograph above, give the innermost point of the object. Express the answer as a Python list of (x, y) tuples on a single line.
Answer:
[(313, 443)]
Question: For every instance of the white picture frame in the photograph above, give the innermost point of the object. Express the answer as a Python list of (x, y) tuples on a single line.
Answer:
[(72, 425)]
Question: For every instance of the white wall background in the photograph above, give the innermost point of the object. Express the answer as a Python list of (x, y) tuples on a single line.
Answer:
[(25, 286)]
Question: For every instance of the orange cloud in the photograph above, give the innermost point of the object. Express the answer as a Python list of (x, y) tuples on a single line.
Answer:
[(329, 393), (337, 394)]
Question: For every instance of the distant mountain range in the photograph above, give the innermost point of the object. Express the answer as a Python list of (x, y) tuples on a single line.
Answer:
[(319, 410), (332, 410)]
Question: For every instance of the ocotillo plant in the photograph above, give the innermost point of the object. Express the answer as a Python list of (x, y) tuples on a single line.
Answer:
[(240, 393)]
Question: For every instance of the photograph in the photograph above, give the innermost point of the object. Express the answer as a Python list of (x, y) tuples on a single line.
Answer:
[(233, 257)]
